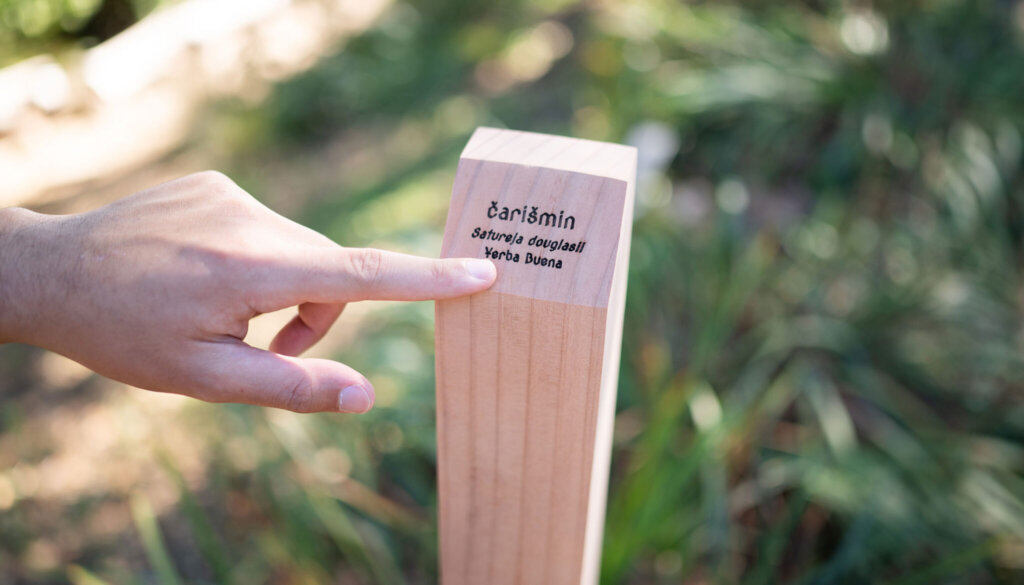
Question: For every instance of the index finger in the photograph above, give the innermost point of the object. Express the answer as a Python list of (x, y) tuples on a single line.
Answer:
[(355, 274)]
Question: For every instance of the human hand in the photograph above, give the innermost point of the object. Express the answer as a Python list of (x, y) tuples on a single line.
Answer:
[(157, 289)]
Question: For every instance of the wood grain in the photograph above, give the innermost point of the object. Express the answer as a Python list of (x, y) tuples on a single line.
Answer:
[(526, 372)]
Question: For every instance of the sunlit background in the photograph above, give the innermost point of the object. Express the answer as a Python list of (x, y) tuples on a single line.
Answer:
[(823, 358)]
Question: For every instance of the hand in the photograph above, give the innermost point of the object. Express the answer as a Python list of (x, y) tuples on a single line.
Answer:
[(157, 289)]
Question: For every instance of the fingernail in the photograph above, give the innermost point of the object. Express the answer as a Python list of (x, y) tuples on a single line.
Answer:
[(481, 269), (354, 399)]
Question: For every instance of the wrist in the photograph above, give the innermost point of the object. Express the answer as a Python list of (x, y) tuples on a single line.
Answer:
[(19, 269)]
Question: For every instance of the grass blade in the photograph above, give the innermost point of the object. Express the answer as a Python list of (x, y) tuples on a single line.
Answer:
[(152, 542), (80, 576), (207, 540)]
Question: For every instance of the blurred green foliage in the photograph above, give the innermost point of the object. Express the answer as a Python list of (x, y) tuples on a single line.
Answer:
[(823, 346), (30, 26)]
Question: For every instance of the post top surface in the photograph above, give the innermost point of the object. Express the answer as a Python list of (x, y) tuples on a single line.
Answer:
[(600, 159)]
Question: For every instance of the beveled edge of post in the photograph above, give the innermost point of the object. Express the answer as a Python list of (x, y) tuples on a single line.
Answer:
[(600, 159)]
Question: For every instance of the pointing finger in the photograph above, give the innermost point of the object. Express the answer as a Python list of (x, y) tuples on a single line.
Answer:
[(353, 274)]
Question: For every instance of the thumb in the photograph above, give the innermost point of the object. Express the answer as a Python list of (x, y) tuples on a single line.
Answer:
[(236, 372)]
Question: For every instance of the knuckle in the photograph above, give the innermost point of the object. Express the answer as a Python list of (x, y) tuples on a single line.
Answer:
[(298, 394), (442, 271), (218, 184), (366, 265), (213, 179)]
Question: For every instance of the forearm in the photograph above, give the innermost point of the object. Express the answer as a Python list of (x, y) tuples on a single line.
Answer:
[(19, 283)]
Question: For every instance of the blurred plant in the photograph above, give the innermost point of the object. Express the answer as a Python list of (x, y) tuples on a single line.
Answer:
[(822, 353), (29, 26)]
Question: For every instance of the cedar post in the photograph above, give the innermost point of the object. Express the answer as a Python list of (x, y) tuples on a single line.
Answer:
[(527, 371)]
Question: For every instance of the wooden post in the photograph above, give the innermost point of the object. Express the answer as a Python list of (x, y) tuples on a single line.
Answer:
[(527, 371)]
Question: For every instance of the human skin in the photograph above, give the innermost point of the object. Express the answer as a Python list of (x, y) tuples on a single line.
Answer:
[(157, 289)]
